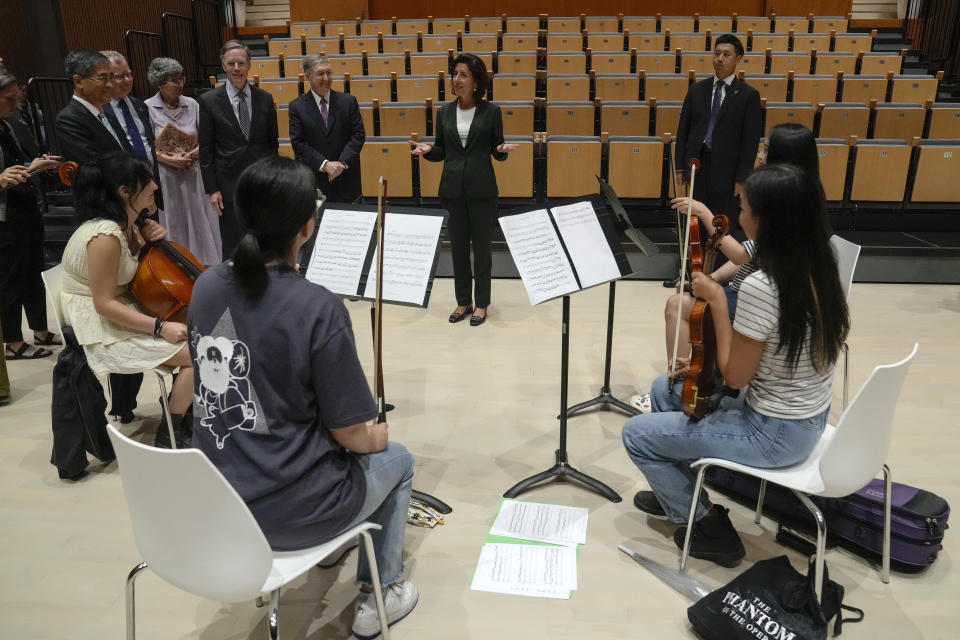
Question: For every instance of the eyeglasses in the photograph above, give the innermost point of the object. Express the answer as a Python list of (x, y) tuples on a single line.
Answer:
[(117, 77), (102, 78), (173, 81)]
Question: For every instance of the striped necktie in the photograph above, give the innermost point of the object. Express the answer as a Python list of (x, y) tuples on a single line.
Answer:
[(243, 114), (106, 123)]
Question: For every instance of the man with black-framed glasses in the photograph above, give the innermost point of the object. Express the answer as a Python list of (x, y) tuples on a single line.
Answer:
[(83, 131)]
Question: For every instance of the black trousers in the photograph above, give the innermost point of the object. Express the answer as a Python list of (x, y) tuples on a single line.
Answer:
[(21, 262), (230, 230), (719, 198), (471, 223)]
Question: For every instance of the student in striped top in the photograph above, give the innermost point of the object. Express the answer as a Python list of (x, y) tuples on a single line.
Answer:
[(782, 345), (787, 143)]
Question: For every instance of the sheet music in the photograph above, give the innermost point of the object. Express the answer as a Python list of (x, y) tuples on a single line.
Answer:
[(588, 247), (539, 256), (342, 244), (411, 244), (541, 522), (526, 570)]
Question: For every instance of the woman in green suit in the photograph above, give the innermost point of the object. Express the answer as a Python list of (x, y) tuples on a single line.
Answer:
[(469, 131)]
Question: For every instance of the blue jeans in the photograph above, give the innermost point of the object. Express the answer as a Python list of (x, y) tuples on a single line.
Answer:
[(732, 297), (389, 476), (664, 443)]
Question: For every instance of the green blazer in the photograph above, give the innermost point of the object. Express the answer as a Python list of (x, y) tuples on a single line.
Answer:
[(467, 169)]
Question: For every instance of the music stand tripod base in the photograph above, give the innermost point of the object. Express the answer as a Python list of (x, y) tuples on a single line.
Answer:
[(563, 471)]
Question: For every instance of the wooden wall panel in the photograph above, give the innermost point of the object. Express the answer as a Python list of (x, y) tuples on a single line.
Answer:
[(101, 24), (13, 41), (314, 10)]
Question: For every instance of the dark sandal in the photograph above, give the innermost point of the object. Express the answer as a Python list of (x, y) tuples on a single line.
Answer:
[(20, 354), (49, 341), (457, 317)]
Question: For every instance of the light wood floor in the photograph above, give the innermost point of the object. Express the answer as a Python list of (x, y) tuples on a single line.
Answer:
[(478, 407)]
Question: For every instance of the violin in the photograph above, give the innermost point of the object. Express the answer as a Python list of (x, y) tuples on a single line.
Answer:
[(164, 280)]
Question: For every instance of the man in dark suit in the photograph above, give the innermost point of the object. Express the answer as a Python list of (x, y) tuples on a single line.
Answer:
[(132, 114), (327, 133), (720, 126), (238, 126), (84, 131)]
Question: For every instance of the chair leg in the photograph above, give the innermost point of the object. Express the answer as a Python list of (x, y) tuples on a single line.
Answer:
[(887, 497), (375, 579), (763, 493), (846, 373), (693, 512), (821, 541), (166, 409), (131, 612), (273, 618), (259, 602)]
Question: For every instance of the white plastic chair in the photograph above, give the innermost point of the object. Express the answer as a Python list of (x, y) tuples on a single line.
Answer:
[(845, 459), (195, 531), (53, 282), (847, 254)]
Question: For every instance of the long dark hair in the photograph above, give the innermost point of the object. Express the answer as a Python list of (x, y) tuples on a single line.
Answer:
[(275, 198), (793, 143), (478, 69), (795, 253), (96, 183)]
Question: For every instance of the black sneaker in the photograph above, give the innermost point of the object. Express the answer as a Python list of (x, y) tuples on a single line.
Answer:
[(647, 502), (714, 539)]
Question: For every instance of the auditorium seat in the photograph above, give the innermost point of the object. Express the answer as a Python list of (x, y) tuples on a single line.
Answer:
[(605, 41), (433, 120), (772, 86), (899, 120), (807, 42), (568, 62), (383, 64), (517, 62), (832, 62), (636, 24), (370, 88), (610, 61), (474, 42), (485, 25), (797, 24), (666, 117), (646, 40), (617, 86), (265, 67), (570, 118), (572, 164), (518, 117), (635, 166), (945, 121), (283, 120), (826, 24), (753, 62), (656, 61), (429, 63), (778, 42), (665, 86), (863, 88), (938, 165), (696, 62), (400, 44), (688, 41), (834, 154), (528, 24), (359, 44), (366, 114), (854, 43), (568, 87), (607, 24), (881, 63), (412, 28), (782, 112), (781, 62), (520, 42), (562, 41), (449, 26), (326, 46), (757, 24), (675, 24), (375, 27), (292, 66), (563, 24), (915, 88), (403, 118), (340, 27), (435, 43), (880, 171), (307, 29), (515, 174), (430, 172), (389, 157), (716, 25), (351, 63), (814, 88), (417, 88), (514, 86), (284, 91), (625, 117), (286, 46), (843, 119), (284, 148)]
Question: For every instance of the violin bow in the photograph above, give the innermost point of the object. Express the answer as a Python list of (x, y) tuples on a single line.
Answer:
[(378, 304), (694, 165), (676, 194)]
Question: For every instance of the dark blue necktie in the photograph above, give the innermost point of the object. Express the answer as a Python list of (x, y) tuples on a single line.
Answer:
[(714, 115), (134, 134)]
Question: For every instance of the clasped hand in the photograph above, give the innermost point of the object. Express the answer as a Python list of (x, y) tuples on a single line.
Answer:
[(333, 169)]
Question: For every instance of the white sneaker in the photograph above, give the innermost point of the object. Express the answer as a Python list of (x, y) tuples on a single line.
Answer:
[(641, 402), (399, 599)]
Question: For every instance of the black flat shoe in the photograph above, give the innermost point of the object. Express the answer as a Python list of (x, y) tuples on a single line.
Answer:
[(457, 317), (647, 502), (671, 283), (476, 321)]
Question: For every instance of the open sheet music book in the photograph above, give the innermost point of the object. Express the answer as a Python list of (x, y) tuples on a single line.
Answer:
[(344, 257), (565, 248)]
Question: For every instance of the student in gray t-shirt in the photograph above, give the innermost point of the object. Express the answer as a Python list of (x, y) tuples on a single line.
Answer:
[(281, 405)]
